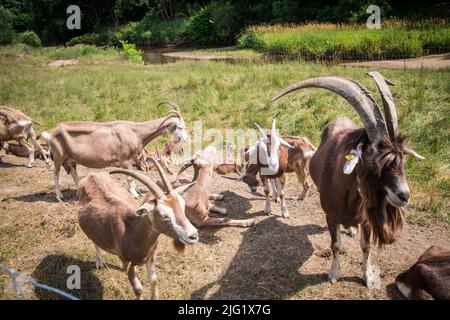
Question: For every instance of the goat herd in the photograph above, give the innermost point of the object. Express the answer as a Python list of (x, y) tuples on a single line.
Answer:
[(359, 173)]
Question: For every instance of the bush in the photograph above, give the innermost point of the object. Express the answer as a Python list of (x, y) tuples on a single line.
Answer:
[(200, 28), (6, 26), (131, 52), (29, 38)]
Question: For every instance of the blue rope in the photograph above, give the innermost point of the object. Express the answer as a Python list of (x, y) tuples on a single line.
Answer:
[(13, 273)]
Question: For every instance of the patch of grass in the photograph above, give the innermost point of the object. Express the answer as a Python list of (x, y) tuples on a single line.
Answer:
[(396, 39), (226, 96)]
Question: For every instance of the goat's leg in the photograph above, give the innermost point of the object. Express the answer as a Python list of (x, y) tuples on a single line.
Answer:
[(371, 277), (56, 170), (227, 222), (216, 208), (30, 150), (216, 197), (98, 257), (268, 207), (135, 283), (275, 195), (37, 145), (335, 233), (152, 278), (280, 190), (302, 180)]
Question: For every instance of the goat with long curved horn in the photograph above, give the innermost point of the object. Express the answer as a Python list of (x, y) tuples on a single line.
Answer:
[(358, 97), (362, 182)]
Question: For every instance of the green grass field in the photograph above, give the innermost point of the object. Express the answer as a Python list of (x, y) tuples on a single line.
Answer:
[(103, 87), (396, 39)]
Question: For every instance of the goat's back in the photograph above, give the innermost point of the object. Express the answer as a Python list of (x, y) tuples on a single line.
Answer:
[(105, 209)]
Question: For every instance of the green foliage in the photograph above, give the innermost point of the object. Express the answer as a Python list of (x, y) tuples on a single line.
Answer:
[(6, 26), (29, 38), (346, 42), (131, 52), (200, 28)]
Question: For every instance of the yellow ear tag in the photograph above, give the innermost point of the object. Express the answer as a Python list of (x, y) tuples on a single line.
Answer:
[(349, 157)]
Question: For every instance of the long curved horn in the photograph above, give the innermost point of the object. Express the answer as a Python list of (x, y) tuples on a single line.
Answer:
[(274, 124), (153, 187), (262, 134), (390, 112), (170, 103), (186, 165), (355, 94), (164, 179)]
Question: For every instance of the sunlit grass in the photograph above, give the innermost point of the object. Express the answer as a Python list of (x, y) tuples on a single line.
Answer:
[(224, 95)]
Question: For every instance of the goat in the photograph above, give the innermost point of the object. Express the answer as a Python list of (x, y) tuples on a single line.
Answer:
[(228, 167), (198, 197), (144, 163), (98, 145), (270, 158), (359, 172), (19, 150), (298, 162), (430, 274), (173, 150), (15, 125), (114, 223)]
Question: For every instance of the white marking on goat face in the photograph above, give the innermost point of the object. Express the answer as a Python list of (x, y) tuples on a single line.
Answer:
[(24, 123), (177, 227), (180, 132), (404, 289)]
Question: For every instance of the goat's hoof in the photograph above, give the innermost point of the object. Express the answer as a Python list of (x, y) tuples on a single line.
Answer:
[(285, 216), (372, 279), (333, 276), (250, 222), (30, 165)]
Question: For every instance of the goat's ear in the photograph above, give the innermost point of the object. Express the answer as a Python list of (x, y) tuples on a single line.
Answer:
[(284, 143), (413, 153), (181, 190), (145, 209)]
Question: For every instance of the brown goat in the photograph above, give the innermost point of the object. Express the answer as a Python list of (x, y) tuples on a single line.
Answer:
[(359, 172), (99, 145), (430, 274), (15, 125), (198, 197), (113, 222), (298, 162)]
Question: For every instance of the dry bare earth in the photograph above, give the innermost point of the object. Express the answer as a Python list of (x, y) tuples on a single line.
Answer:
[(434, 61), (275, 259)]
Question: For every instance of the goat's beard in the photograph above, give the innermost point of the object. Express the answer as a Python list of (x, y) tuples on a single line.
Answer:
[(385, 220)]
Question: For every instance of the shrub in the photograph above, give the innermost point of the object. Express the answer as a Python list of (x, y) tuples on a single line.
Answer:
[(6, 26), (131, 52), (29, 38), (201, 28)]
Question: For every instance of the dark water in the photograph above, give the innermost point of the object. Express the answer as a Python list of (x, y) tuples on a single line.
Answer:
[(154, 55)]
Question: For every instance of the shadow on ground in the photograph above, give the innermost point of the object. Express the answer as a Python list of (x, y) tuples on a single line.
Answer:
[(52, 271), (267, 264), (70, 195)]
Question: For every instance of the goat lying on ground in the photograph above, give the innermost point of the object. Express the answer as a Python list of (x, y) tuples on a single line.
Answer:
[(359, 172), (298, 162), (198, 197), (430, 274), (269, 157), (19, 150), (113, 222), (98, 145), (15, 125)]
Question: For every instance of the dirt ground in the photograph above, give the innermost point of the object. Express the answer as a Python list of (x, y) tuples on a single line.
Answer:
[(434, 61), (275, 259)]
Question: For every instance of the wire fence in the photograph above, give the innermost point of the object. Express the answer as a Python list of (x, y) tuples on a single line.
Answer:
[(19, 280)]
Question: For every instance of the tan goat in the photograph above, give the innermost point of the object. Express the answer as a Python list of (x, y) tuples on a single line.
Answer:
[(111, 219)]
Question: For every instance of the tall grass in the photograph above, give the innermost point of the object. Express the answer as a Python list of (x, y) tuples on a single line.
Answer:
[(396, 39), (234, 96)]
